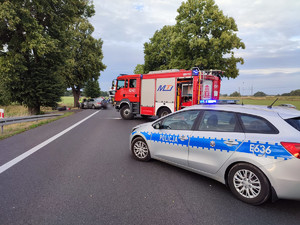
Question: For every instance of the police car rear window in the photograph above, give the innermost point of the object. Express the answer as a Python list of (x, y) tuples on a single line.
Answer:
[(294, 122), (254, 124)]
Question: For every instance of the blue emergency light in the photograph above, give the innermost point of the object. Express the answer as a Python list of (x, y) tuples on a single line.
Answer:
[(195, 72), (208, 101)]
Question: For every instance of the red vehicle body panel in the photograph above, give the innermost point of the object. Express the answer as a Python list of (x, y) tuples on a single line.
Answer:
[(171, 89)]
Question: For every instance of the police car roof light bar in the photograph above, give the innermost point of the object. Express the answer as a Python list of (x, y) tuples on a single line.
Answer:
[(212, 101)]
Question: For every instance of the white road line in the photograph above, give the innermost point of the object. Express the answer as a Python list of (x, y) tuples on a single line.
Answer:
[(38, 147)]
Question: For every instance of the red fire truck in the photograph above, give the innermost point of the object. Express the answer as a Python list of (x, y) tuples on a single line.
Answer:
[(162, 92)]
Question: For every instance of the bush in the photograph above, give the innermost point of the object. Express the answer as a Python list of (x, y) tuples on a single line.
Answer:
[(260, 94), (235, 94)]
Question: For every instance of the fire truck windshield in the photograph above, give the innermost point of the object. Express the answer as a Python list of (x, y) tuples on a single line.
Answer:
[(120, 84)]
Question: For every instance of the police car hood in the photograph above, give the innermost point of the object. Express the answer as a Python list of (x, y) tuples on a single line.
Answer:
[(141, 125)]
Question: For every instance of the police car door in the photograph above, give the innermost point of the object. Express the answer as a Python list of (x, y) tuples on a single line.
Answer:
[(171, 138), (217, 136)]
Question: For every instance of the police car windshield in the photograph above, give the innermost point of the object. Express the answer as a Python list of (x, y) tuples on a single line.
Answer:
[(294, 122)]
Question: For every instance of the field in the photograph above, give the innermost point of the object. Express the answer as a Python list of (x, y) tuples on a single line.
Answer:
[(67, 101), (294, 100)]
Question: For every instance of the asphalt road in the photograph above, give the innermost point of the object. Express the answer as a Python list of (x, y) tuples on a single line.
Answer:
[(88, 176)]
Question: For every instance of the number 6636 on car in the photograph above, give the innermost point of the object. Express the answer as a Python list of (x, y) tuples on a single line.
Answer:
[(254, 150)]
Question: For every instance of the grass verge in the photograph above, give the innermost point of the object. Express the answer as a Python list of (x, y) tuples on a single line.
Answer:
[(13, 129)]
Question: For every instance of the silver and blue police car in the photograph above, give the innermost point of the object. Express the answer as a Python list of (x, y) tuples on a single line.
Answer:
[(254, 150)]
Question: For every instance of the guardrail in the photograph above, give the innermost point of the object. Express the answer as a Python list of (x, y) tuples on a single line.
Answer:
[(13, 120)]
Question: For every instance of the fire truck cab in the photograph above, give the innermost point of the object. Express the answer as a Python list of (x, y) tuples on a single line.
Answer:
[(159, 93)]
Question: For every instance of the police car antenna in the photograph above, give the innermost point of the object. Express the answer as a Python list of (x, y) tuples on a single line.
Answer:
[(270, 106)]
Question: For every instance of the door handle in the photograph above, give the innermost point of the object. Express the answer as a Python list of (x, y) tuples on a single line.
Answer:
[(230, 143), (183, 138)]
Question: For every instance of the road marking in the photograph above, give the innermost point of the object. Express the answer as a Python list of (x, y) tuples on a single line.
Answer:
[(38, 147)]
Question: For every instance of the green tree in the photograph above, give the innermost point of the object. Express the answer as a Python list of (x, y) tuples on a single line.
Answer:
[(202, 36), (139, 69), (92, 89), (32, 56), (295, 92), (235, 94), (259, 94), (104, 94), (85, 57), (4, 95), (158, 52)]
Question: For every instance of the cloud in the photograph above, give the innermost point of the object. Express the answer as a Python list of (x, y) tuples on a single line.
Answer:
[(269, 29), (270, 71), (266, 26)]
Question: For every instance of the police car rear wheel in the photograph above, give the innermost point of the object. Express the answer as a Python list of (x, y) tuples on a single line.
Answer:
[(140, 149), (249, 184)]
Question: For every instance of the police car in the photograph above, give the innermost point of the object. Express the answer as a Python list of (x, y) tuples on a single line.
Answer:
[(254, 150)]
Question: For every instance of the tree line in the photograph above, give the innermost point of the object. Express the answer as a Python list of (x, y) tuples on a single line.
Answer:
[(46, 47)]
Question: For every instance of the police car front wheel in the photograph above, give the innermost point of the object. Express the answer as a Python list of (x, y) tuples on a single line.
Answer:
[(140, 149), (249, 184)]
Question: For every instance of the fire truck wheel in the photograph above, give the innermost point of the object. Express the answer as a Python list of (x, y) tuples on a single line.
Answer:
[(163, 112), (126, 113)]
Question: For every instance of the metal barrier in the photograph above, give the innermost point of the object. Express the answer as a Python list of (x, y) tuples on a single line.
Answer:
[(13, 120)]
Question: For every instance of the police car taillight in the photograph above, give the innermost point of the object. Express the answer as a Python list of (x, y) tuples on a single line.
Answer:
[(293, 148)]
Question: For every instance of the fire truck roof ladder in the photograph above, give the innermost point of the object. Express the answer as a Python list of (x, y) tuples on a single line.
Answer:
[(164, 71)]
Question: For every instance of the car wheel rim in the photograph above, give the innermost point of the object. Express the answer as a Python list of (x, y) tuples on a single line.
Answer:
[(140, 149), (246, 183)]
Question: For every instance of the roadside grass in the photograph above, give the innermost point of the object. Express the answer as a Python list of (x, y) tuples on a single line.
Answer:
[(19, 110), (16, 110), (13, 129)]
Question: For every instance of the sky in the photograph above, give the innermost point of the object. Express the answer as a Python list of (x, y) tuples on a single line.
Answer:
[(270, 30)]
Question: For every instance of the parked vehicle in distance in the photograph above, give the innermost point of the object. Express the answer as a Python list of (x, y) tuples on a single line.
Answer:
[(94, 103), (288, 105), (254, 150)]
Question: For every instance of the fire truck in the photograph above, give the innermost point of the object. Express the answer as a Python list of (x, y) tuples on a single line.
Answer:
[(159, 93)]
